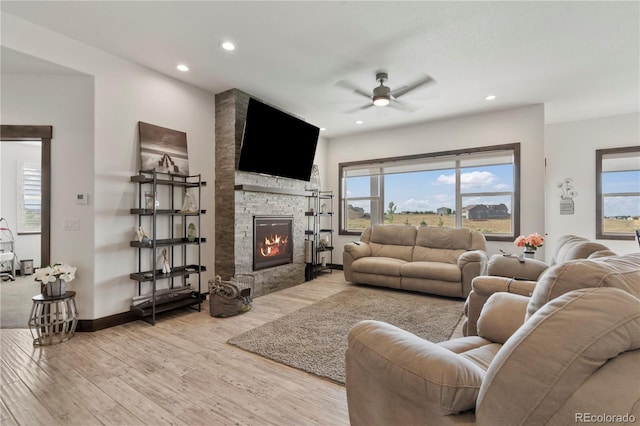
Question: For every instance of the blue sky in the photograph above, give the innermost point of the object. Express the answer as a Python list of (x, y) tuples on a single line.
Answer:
[(427, 191), (620, 182)]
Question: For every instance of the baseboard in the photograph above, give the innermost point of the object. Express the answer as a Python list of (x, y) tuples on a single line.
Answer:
[(106, 322), (337, 267)]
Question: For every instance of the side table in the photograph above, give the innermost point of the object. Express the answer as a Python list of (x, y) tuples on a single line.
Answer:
[(53, 319)]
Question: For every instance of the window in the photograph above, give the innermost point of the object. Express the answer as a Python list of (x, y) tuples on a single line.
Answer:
[(617, 193), (29, 198), (476, 188)]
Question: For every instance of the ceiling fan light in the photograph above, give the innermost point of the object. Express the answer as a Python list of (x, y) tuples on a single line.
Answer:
[(380, 100)]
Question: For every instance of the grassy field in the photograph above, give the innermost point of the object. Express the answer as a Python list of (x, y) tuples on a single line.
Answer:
[(494, 226), (489, 226)]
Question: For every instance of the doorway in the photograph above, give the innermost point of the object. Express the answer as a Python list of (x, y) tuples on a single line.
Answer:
[(25, 182)]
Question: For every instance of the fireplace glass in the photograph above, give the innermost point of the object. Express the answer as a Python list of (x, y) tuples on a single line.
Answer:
[(272, 241)]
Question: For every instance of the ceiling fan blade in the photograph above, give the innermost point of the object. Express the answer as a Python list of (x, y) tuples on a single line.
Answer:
[(347, 85), (353, 111), (406, 89), (403, 105)]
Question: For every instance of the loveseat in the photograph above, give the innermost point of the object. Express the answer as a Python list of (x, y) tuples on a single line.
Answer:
[(507, 274), (428, 259), (565, 355)]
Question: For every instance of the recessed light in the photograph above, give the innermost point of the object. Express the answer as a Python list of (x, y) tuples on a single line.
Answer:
[(490, 97), (227, 45), (359, 122), (183, 67)]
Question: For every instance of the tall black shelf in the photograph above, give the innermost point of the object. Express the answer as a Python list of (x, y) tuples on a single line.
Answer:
[(170, 189), (319, 233)]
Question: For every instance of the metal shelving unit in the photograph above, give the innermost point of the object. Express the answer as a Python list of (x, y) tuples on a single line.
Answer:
[(319, 233), (168, 233)]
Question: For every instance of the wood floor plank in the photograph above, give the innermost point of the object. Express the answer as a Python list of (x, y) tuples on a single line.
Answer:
[(179, 372)]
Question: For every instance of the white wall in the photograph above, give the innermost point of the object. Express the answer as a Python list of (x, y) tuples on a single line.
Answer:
[(570, 149), (524, 125), (12, 154), (124, 93)]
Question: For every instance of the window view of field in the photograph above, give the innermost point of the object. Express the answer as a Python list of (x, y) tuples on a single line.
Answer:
[(625, 226), (487, 226)]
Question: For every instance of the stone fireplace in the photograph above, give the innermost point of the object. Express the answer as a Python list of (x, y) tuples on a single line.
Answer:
[(241, 196)]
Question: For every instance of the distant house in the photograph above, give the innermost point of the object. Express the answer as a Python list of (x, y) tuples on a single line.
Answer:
[(443, 211), (497, 211), (475, 211), (482, 211), (355, 212)]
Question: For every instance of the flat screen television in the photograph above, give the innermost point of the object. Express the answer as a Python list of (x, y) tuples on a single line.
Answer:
[(276, 143)]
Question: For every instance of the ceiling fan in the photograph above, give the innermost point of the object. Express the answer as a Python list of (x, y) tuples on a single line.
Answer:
[(383, 95)]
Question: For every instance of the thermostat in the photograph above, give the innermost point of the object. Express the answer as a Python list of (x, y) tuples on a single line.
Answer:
[(82, 198)]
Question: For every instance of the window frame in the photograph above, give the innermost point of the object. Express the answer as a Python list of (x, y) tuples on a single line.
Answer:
[(22, 229), (515, 147), (600, 233)]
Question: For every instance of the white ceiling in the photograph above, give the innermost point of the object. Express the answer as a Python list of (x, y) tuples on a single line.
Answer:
[(580, 58)]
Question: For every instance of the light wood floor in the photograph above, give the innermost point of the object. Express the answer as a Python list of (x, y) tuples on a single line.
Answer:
[(178, 372)]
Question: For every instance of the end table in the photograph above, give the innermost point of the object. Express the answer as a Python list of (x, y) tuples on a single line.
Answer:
[(53, 319)]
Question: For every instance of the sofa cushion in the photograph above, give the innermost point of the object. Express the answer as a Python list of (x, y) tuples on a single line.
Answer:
[(431, 271), (400, 235), (378, 265), (443, 237), (571, 247), (395, 241), (436, 255), (621, 272)]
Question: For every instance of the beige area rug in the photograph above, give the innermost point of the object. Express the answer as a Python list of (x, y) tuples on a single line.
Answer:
[(314, 338)]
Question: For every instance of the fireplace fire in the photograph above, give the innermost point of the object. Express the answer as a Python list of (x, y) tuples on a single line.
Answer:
[(272, 241)]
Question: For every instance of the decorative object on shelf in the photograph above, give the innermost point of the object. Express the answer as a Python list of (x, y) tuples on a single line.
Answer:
[(566, 196), (530, 244), (314, 181), (192, 232), (53, 279), (189, 205), (166, 267), (151, 200), (142, 236), (162, 149), (323, 208), (323, 243)]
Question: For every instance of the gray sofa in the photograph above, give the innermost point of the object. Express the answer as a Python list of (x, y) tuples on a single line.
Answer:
[(436, 260)]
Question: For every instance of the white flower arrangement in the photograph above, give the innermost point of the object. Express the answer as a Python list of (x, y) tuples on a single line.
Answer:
[(50, 274)]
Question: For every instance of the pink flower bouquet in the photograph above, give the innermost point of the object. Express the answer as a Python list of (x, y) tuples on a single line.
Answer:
[(530, 243)]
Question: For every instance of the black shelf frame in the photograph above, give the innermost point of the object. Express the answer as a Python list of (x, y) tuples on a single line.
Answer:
[(151, 180)]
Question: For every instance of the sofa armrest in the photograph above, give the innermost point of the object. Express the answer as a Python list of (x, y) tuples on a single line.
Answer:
[(357, 249), (510, 266), (482, 288), (472, 263), (412, 368), (353, 251)]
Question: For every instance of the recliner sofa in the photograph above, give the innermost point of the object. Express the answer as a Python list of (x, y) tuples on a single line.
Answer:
[(506, 274), (571, 349), (428, 259)]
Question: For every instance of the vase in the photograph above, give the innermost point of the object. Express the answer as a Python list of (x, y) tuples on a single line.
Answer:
[(529, 254), (56, 288)]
